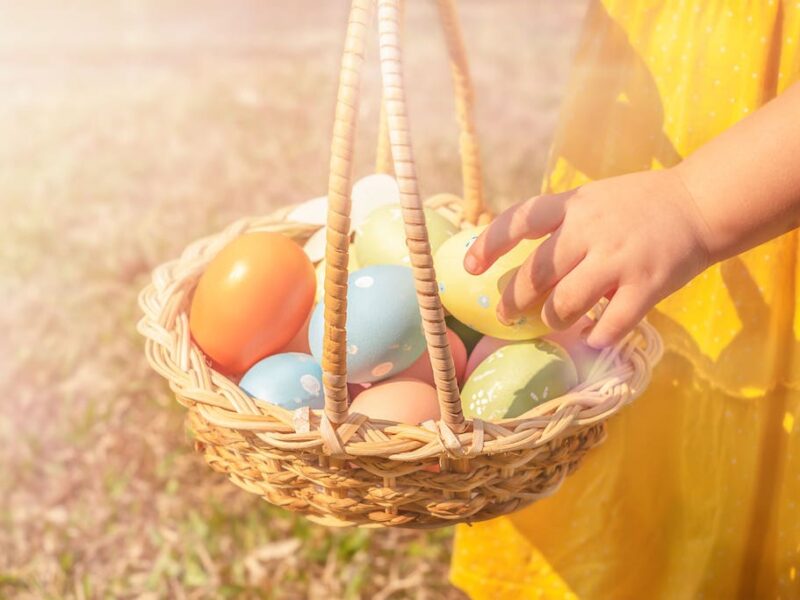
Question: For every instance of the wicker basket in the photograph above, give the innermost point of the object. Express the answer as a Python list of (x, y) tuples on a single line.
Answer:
[(345, 469)]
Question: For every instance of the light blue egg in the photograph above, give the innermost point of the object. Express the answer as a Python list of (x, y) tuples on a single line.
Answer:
[(384, 327), (290, 380)]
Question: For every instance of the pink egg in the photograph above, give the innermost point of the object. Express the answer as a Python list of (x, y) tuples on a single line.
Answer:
[(423, 370), (398, 399), (482, 350), (354, 389), (299, 343), (571, 340)]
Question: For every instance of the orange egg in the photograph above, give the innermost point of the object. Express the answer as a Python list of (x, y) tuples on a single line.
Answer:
[(423, 370), (398, 399), (252, 299), (299, 343)]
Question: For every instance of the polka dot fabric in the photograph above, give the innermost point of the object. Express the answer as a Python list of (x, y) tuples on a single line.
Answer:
[(696, 492)]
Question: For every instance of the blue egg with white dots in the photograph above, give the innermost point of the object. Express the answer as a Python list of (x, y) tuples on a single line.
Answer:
[(289, 380), (384, 326)]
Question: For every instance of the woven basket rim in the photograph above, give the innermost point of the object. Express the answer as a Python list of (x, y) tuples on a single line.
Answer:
[(174, 355)]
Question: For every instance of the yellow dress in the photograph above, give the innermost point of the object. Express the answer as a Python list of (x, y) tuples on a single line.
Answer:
[(696, 492)]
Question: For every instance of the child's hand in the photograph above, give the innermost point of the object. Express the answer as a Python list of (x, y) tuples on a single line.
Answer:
[(634, 239)]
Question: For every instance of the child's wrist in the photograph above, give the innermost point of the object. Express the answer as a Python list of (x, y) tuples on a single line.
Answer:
[(699, 214)]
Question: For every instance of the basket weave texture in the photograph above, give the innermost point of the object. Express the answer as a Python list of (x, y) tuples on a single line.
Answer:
[(340, 468)]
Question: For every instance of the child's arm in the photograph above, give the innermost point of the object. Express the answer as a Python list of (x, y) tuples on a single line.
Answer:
[(639, 237)]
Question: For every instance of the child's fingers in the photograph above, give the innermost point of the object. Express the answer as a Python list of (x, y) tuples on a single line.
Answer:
[(576, 294), (628, 306), (546, 265), (527, 220)]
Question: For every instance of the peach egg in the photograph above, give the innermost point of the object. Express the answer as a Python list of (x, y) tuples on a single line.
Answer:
[(398, 399)]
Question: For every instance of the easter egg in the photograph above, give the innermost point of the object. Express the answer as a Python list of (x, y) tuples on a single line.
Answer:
[(299, 343), (381, 238), (252, 299), (354, 389), (384, 326), (515, 378), (368, 194), (482, 350), (571, 339), (473, 299), (290, 380), (352, 265), (470, 337), (398, 399), (423, 370)]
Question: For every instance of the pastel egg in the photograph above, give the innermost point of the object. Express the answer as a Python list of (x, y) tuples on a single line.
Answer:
[(470, 337), (398, 399), (299, 343), (482, 350), (368, 193), (473, 299), (571, 339), (381, 238), (290, 380), (423, 370), (352, 265), (252, 299), (517, 377), (384, 326)]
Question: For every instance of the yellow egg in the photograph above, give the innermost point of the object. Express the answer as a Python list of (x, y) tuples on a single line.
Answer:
[(352, 265), (473, 299)]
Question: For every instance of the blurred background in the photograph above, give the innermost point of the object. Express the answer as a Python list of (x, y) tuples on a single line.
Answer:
[(128, 128)]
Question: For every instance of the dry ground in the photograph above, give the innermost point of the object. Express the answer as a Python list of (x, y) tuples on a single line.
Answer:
[(127, 129)]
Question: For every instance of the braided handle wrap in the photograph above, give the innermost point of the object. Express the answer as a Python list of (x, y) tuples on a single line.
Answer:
[(471, 176), (383, 153), (334, 348), (414, 217)]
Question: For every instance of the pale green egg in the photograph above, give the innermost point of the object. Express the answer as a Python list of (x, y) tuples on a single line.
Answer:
[(381, 240), (517, 377)]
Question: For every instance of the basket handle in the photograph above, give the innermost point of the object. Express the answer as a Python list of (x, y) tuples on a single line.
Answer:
[(471, 173), (469, 149), (416, 231), (340, 180), (334, 358)]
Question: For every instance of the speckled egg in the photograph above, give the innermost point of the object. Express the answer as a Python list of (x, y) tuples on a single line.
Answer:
[(473, 299), (384, 327), (517, 377), (352, 265), (482, 350), (290, 380), (381, 238)]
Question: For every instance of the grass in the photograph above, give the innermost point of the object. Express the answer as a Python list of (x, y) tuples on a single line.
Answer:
[(126, 131)]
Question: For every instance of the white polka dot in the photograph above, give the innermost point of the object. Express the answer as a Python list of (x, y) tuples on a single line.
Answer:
[(483, 301), (365, 281), (382, 369), (310, 384), (441, 286), (352, 349)]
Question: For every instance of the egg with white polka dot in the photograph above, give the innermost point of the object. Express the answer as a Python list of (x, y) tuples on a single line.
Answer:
[(384, 326), (290, 380), (381, 238), (517, 377), (473, 299)]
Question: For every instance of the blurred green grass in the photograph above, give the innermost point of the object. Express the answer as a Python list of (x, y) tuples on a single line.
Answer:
[(128, 130)]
